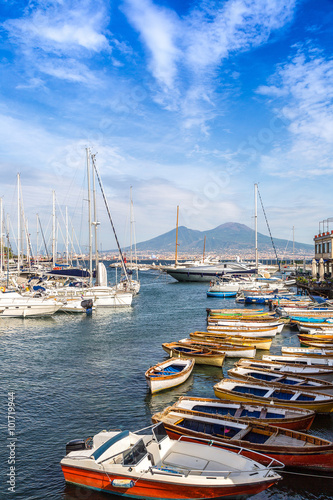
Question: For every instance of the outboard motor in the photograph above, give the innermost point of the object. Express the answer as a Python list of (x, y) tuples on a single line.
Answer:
[(75, 445), (87, 305)]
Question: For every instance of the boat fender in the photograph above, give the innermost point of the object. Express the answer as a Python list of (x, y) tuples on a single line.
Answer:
[(122, 483), (3, 289)]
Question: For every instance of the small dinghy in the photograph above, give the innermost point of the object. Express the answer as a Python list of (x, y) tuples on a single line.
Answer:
[(292, 448), (169, 374), (201, 355), (288, 380), (316, 371), (230, 350), (288, 418), (148, 464), (310, 359), (257, 342), (248, 332), (306, 351), (241, 390)]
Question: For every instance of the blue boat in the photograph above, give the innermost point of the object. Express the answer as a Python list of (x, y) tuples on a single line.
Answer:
[(221, 294)]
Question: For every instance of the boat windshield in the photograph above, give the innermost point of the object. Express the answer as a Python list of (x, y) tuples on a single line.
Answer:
[(134, 455), (159, 432)]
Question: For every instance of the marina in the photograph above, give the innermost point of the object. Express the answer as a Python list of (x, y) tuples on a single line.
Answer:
[(70, 381)]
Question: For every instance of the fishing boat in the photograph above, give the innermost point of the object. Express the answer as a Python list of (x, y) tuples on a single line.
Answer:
[(316, 344), (263, 392), (270, 330), (257, 342), (306, 360), (221, 294), (288, 418), (167, 374), (238, 312), (148, 464), (201, 355), (306, 351), (262, 332), (293, 448), (325, 338), (325, 350), (316, 371), (253, 324), (281, 379), (230, 350)]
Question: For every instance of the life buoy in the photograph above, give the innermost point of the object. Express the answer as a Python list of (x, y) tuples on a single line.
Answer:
[(3, 289)]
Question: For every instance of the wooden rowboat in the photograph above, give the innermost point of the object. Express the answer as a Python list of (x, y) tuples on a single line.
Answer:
[(257, 342), (254, 325), (316, 371), (241, 390), (230, 350), (202, 356), (281, 379), (317, 344), (311, 359), (293, 448), (262, 332), (167, 374), (288, 418), (306, 351)]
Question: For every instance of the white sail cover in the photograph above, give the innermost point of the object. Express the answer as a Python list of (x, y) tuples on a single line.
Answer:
[(101, 275)]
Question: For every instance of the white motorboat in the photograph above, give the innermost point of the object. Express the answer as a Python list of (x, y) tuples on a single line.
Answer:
[(12, 304), (155, 467)]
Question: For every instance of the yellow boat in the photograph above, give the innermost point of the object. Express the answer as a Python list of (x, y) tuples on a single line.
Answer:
[(260, 392), (257, 342), (202, 356)]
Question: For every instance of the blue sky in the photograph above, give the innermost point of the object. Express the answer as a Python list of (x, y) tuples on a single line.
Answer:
[(191, 103)]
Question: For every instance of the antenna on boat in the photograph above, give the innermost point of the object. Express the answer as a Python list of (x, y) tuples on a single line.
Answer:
[(110, 218)]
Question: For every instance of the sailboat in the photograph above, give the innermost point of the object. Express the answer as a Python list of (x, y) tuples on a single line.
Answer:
[(130, 284)]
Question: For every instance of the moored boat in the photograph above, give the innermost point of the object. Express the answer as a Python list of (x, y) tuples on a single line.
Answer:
[(311, 359), (167, 374), (281, 379), (257, 342), (230, 350), (262, 392), (288, 418), (317, 371), (202, 356), (155, 467), (249, 332), (293, 448)]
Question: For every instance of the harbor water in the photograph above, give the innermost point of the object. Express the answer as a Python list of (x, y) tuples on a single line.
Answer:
[(69, 376)]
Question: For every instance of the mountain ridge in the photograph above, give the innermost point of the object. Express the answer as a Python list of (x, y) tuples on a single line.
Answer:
[(230, 236)]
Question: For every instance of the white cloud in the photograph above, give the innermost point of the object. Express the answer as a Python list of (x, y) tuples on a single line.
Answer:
[(302, 94), (61, 26), (159, 28)]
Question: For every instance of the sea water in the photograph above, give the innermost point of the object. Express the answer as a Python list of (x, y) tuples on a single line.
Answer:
[(70, 376)]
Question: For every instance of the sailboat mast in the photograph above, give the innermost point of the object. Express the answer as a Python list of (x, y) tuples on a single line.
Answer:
[(89, 216), (66, 215), (53, 230), (256, 224), (18, 225), (110, 218), (131, 226), (134, 237), (293, 246), (176, 252), (95, 223), (1, 241)]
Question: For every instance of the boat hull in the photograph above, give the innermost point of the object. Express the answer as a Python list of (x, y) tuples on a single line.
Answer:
[(320, 407), (156, 490)]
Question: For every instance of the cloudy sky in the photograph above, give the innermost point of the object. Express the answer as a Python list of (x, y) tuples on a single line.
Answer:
[(189, 102)]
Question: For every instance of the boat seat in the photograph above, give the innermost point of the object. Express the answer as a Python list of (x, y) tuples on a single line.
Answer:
[(182, 461)]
